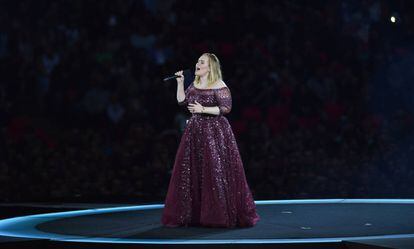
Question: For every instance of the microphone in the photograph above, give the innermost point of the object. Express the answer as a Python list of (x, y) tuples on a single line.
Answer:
[(185, 73)]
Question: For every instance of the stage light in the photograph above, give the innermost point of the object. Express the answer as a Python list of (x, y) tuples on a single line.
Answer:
[(393, 19)]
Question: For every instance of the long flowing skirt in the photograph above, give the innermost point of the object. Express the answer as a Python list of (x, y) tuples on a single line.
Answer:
[(208, 185)]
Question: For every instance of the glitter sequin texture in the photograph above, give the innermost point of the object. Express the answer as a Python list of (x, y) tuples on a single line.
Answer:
[(208, 185)]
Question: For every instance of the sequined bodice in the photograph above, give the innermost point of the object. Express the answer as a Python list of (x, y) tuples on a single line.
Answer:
[(220, 97)]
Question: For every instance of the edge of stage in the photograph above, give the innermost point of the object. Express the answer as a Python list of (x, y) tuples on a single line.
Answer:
[(310, 223)]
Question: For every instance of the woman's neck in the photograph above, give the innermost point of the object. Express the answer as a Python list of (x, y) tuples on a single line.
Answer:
[(203, 80)]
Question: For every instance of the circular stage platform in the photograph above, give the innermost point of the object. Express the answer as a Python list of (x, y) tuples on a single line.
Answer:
[(287, 222)]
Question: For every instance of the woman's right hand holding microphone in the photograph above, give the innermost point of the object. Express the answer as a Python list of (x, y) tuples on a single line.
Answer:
[(181, 78)]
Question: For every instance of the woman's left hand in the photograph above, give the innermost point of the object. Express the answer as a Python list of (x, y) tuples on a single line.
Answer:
[(195, 108)]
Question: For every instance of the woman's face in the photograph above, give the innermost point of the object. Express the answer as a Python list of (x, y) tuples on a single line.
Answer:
[(202, 66)]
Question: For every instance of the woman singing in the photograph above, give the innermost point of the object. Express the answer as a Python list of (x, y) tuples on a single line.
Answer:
[(208, 186)]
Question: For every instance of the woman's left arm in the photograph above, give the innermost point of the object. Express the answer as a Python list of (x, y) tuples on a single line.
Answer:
[(215, 110), (223, 97), (198, 108)]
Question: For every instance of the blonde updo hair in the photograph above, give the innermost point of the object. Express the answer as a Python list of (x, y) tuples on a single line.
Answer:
[(215, 70)]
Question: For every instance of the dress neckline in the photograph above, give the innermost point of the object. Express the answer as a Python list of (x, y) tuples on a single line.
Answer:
[(209, 88)]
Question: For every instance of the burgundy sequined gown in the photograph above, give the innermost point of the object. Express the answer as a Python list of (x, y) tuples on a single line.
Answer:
[(208, 186)]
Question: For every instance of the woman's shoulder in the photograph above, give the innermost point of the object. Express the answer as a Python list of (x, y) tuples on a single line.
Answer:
[(220, 84)]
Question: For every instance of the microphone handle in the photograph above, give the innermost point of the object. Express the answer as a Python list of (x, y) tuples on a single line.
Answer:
[(171, 78)]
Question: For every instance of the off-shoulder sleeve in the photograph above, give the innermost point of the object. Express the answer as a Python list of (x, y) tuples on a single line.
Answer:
[(185, 101), (223, 97)]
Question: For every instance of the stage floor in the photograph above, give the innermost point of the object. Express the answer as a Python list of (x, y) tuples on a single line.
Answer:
[(282, 222)]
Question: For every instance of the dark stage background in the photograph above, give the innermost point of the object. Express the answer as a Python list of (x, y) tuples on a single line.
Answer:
[(323, 95)]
